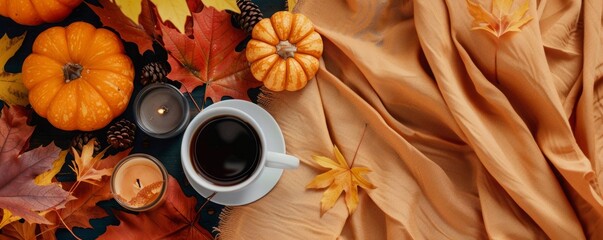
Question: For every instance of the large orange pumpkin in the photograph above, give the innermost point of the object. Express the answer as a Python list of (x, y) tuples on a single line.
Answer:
[(35, 12), (78, 76)]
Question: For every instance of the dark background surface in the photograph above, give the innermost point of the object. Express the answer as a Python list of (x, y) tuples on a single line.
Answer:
[(166, 150)]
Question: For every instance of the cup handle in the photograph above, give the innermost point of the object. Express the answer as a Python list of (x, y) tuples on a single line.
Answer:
[(280, 160)]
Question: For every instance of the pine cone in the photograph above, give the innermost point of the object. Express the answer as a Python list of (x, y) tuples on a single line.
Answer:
[(152, 72), (79, 141), (250, 15), (121, 134)]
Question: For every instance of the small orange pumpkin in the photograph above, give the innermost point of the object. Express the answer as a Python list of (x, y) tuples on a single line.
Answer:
[(78, 76), (284, 51), (35, 12)]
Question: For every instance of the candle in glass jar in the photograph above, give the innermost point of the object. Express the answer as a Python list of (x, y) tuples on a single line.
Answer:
[(161, 110), (139, 182)]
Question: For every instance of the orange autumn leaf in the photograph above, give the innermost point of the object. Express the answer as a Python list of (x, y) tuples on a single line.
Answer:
[(138, 29), (209, 57), (501, 19), (176, 218), (77, 213), (80, 211), (339, 178), (84, 164), (19, 230)]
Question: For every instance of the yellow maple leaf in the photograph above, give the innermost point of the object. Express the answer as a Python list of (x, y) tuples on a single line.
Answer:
[(291, 5), (501, 19), (45, 178), (175, 11), (7, 218), (130, 8), (339, 178), (83, 165), (12, 89), (222, 5)]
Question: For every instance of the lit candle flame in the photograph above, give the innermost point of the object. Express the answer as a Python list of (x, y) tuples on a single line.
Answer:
[(162, 110)]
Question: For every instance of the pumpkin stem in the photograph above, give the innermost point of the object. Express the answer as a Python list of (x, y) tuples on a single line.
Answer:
[(72, 71), (285, 49)]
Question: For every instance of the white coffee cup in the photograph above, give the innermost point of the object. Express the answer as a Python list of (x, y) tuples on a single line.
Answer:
[(268, 159)]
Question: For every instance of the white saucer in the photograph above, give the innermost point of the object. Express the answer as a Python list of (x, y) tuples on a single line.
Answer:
[(269, 177)]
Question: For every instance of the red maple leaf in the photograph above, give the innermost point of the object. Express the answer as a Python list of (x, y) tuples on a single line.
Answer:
[(175, 219), (148, 19), (18, 192), (14, 131), (142, 34), (78, 211), (209, 57)]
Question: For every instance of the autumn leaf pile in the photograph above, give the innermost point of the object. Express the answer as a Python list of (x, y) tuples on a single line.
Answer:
[(200, 42), (199, 38), (197, 34), (19, 194), (29, 189)]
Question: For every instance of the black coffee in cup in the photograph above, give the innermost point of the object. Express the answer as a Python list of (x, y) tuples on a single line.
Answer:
[(226, 150)]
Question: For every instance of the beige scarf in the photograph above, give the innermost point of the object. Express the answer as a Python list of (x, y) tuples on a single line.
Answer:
[(468, 137)]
